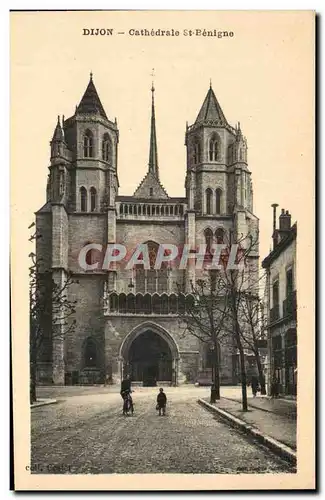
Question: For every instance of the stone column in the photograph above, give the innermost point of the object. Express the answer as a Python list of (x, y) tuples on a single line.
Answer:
[(58, 332), (190, 240), (111, 353), (59, 266)]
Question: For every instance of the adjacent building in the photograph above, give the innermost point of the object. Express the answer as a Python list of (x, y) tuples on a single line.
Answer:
[(281, 306), (127, 320)]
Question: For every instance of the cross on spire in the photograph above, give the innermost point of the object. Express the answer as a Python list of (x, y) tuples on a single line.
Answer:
[(152, 74)]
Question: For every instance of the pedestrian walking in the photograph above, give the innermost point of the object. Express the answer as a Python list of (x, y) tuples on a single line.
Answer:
[(274, 387), (161, 402), (255, 385)]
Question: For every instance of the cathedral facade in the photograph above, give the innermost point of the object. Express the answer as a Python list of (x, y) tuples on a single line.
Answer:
[(127, 320)]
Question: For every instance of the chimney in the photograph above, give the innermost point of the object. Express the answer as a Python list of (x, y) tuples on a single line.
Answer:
[(274, 233), (285, 220)]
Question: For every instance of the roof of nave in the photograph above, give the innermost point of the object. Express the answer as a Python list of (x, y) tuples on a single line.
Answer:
[(148, 183)]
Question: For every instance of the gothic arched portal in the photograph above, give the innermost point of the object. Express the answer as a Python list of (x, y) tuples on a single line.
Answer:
[(150, 356)]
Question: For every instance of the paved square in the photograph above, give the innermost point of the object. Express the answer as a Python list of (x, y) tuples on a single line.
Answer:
[(89, 434)]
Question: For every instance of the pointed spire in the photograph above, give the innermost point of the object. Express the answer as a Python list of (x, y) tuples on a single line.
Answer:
[(239, 134), (90, 102), (153, 153), (211, 110), (58, 132)]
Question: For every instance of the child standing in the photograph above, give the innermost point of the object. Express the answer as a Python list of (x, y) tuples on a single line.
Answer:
[(161, 401)]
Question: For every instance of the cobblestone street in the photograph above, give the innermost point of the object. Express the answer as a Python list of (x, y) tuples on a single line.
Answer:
[(88, 434)]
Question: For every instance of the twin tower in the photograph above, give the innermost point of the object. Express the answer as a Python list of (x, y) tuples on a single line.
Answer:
[(84, 161)]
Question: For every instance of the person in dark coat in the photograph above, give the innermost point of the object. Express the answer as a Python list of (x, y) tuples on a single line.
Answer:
[(254, 384), (125, 386), (161, 401), (274, 387)]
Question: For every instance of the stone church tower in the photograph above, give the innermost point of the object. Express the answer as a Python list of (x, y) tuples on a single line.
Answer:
[(127, 320)]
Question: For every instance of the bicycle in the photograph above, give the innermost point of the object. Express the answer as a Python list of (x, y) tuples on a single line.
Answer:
[(128, 407)]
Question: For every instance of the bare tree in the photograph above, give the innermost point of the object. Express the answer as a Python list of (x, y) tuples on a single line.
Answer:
[(215, 315), (50, 311), (237, 277), (204, 316), (252, 329)]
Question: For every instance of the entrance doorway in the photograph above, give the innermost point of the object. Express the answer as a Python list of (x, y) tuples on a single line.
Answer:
[(150, 359)]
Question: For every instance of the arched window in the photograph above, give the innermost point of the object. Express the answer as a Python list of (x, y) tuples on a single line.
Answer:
[(122, 303), (151, 280), (113, 302), (220, 235), (196, 152), (83, 199), (88, 144), (153, 250), (90, 353), (208, 234), (147, 304), (139, 303), (106, 148), (213, 149), (208, 195), (164, 304), (218, 201), (156, 304), (93, 199), (242, 154), (181, 303), (130, 303), (173, 304)]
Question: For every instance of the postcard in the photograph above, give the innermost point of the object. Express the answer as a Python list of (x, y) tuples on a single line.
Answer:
[(162, 250)]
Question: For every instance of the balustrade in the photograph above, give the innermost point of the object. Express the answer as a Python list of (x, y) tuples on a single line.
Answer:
[(150, 210), (151, 304)]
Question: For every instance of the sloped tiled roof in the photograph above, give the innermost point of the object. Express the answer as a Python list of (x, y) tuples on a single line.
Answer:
[(150, 182), (90, 102), (211, 111), (47, 208)]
